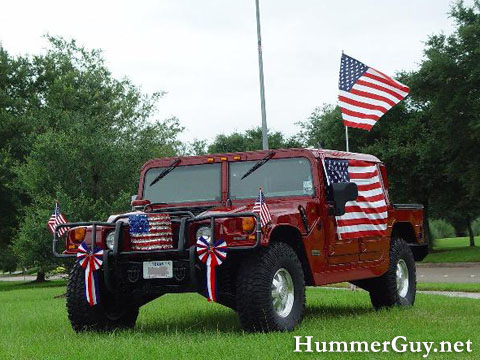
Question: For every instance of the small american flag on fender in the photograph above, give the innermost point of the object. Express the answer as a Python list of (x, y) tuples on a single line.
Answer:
[(150, 231), (367, 215), (261, 208)]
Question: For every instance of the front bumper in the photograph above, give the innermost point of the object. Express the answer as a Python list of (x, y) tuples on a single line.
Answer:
[(121, 265)]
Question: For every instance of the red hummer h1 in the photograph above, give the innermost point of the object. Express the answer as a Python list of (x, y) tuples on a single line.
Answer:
[(327, 218)]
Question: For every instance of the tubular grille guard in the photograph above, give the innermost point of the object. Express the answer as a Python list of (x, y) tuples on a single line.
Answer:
[(185, 218)]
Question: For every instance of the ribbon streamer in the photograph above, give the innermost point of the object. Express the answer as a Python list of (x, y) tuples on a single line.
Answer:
[(212, 256), (90, 262)]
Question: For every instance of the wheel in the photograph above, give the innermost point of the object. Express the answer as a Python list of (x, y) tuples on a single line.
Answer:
[(398, 286), (270, 292), (105, 316)]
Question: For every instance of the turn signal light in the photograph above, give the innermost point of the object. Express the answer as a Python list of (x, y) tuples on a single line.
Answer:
[(79, 234), (248, 224)]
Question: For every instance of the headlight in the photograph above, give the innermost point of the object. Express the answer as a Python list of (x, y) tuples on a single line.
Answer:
[(204, 232), (110, 240)]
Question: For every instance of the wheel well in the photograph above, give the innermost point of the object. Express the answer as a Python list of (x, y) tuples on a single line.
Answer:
[(293, 238), (405, 231)]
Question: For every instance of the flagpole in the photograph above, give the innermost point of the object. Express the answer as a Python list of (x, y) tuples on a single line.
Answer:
[(346, 139), (262, 86)]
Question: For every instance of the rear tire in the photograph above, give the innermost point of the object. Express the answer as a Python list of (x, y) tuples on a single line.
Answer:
[(101, 317), (398, 286), (271, 290)]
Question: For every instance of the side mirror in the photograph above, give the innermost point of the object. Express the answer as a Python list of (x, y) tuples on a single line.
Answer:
[(343, 192)]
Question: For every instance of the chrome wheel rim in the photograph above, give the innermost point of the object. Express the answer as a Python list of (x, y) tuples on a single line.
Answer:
[(402, 278), (282, 292)]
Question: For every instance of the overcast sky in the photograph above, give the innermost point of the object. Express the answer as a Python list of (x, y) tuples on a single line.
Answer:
[(204, 54)]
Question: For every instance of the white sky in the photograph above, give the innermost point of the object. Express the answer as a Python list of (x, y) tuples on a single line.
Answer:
[(204, 54)]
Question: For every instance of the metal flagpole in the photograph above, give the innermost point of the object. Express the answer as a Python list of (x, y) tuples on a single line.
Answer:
[(346, 138), (262, 86)]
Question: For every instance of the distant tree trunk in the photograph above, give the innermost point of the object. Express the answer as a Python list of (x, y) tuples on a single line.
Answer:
[(470, 232), (40, 276), (426, 226)]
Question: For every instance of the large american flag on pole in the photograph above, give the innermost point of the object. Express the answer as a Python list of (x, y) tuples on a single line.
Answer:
[(261, 208), (367, 215), (366, 94), (57, 218)]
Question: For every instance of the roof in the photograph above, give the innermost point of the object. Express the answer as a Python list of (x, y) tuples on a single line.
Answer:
[(255, 155)]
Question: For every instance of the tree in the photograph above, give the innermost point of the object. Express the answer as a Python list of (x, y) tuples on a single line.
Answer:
[(250, 140), (94, 134), (17, 101), (447, 90)]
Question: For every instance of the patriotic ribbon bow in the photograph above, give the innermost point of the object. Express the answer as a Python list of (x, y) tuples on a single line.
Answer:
[(212, 256), (90, 261)]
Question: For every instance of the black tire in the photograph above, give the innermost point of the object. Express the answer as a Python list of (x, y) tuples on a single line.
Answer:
[(254, 298), (84, 317), (383, 290)]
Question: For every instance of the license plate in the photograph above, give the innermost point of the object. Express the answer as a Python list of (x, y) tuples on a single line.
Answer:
[(157, 269)]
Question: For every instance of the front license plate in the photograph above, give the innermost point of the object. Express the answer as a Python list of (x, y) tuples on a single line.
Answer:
[(157, 269)]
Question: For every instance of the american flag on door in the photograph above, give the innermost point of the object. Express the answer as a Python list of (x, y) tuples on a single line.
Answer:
[(367, 215), (366, 94)]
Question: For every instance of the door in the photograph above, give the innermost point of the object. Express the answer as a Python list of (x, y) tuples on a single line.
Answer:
[(359, 234)]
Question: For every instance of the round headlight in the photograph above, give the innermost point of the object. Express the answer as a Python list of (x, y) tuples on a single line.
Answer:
[(204, 232), (110, 240)]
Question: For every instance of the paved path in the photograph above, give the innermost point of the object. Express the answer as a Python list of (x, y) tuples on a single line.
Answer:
[(449, 273)]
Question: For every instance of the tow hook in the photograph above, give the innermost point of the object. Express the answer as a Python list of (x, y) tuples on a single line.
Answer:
[(133, 275)]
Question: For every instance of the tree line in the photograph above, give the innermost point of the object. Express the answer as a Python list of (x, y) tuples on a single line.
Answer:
[(70, 131)]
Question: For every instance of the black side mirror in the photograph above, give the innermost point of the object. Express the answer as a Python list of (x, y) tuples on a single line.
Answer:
[(343, 192)]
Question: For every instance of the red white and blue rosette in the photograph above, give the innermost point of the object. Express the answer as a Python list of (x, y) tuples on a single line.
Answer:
[(90, 262), (212, 256)]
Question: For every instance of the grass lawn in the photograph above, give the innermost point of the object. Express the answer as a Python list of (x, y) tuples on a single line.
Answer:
[(34, 325), (454, 250)]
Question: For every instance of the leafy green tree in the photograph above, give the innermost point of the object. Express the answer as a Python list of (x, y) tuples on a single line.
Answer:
[(250, 140), (95, 133), (17, 102), (446, 90)]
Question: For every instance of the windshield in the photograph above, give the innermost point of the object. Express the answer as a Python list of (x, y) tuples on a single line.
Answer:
[(277, 177), (184, 184)]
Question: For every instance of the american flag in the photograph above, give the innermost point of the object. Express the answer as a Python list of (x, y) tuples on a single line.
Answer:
[(57, 218), (366, 94), (367, 215), (261, 208), (150, 231)]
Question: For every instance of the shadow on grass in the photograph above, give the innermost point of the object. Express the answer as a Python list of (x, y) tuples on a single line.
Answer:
[(219, 322), (226, 322), (338, 311), (21, 285)]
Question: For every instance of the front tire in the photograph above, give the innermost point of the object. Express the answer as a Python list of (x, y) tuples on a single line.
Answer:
[(398, 286), (270, 292), (101, 317)]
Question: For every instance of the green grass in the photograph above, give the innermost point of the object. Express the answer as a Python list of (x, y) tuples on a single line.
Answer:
[(34, 325), (454, 250)]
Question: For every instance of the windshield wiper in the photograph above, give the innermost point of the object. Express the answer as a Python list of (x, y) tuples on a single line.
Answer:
[(166, 171), (258, 164)]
